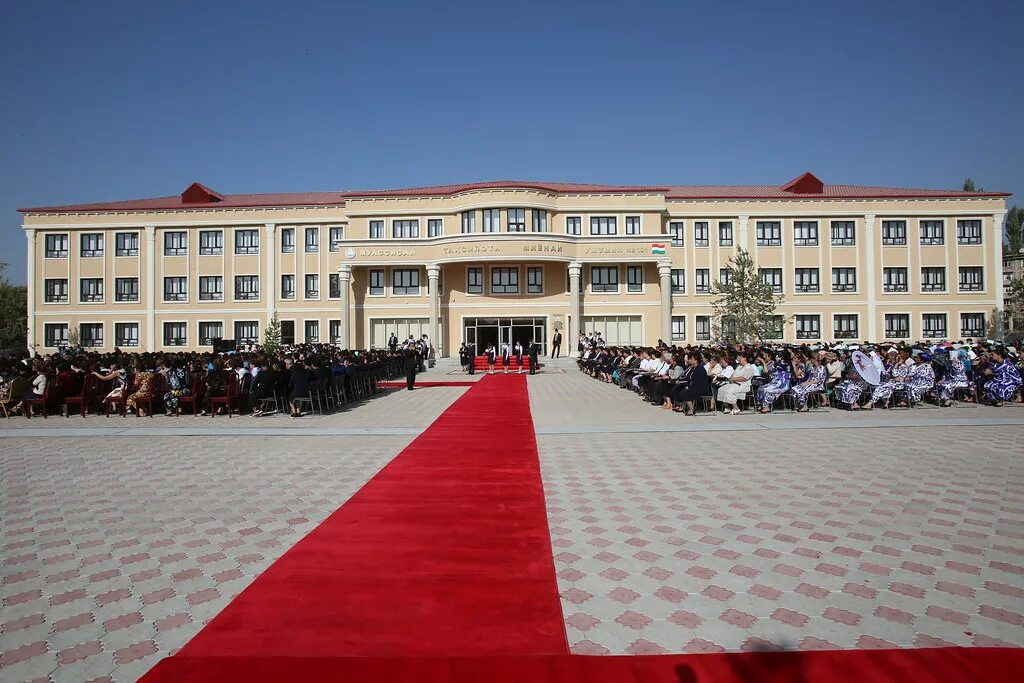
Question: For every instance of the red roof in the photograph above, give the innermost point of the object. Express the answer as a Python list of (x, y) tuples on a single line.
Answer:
[(198, 196)]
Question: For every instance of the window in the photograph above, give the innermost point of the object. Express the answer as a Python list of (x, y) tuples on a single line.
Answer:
[(91, 334), (769, 233), (971, 279), (210, 331), (334, 330), (287, 286), (126, 244), (844, 280), (435, 227), (57, 246), (933, 279), (573, 225), (632, 225), (337, 235), (894, 279), (126, 334), (492, 220), (211, 288), (312, 331), (474, 280), (843, 234), (376, 230), (933, 325), (247, 241), (92, 245), (725, 233), (312, 290), (894, 233), (972, 325), (247, 287), (679, 281), (968, 232), (126, 289), (773, 277), (703, 284), (540, 220), (808, 327), (504, 280), (468, 222), (805, 234), (56, 334), (90, 289), (55, 291), (517, 220), (175, 243), (701, 236), (405, 282), (312, 240), (844, 326), (211, 242), (634, 279), (774, 327), (175, 289), (405, 229), (247, 332), (677, 229), (333, 286), (603, 225), (175, 334), (679, 328), (933, 232), (703, 324), (376, 282), (806, 280), (288, 240), (897, 326), (725, 276), (604, 279), (534, 280)]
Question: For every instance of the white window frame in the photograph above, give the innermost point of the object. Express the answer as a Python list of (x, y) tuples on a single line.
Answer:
[(467, 222), (64, 339), (731, 240), (132, 252), (517, 219), (103, 333), (706, 289), (633, 225), (164, 289), (505, 270), (981, 279), (806, 234), (199, 331), (118, 299), (81, 291), (138, 334), (247, 340), (677, 278), (807, 317), (539, 220), (62, 237), (418, 285), (969, 240), (305, 286), (599, 270), (799, 288), (853, 333), (217, 249), (604, 226), (382, 272), (234, 288), (288, 294), (479, 270), (375, 229), (907, 316), (677, 322), (574, 225), (630, 270), (491, 220), (934, 237), (311, 246), (67, 291), (844, 285), (101, 241), (768, 233), (906, 280), (677, 233), (177, 238), (893, 224), (435, 227), (336, 235), (212, 298), (924, 329), (239, 232), (530, 270), (849, 240), (930, 271), (163, 335), (405, 228)]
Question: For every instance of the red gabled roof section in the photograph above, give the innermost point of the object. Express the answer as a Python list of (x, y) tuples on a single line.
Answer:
[(197, 193), (807, 183)]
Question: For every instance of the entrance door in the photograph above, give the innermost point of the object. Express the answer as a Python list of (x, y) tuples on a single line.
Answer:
[(498, 331)]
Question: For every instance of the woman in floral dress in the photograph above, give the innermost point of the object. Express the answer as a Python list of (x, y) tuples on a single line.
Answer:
[(143, 388), (1005, 378), (814, 380), (779, 384), (955, 378), (921, 377), (179, 383)]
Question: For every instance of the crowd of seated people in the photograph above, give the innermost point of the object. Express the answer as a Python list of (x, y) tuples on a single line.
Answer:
[(762, 377), (290, 379)]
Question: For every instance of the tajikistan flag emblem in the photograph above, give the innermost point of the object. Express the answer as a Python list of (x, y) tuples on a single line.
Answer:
[(658, 249)]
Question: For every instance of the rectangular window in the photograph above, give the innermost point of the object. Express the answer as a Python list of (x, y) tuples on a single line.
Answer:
[(844, 280), (769, 233), (517, 220), (933, 232), (175, 334), (247, 332), (405, 229), (334, 330), (807, 281), (604, 279), (968, 232), (211, 242), (634, 279), (603, 225), (971, 278), (435, 227), (774, 327), (725, 233), (492, 220), (534, 280), (287, 286), (312, 331), (211, 288), (312, 290), (844, 326), (468, 222), (540, 220), (126, 244), (632, 225), (703, 281), (210, 331), (504, 280), (287, 240), (894, 233), (677, 230), (972, 325), (126, 334), (92, 245), (312, 240), (703, 324), (573, 225), (126, 289), (377, 282), (844, 234), (405, 282), (678, 281), (336, 234), (247, 287), (773, 277), (894, 279), (805, 234), (701, 234), (933, 279), (933, 325), (56, 334), (175, 289), (679, 328), (91, 334), (725, 276), (55, 291), (333, 286), (897, 325), (57, 246), (376, 230), (808, 327), (175, 243), (247, 241), (474, 280), (90, 289)]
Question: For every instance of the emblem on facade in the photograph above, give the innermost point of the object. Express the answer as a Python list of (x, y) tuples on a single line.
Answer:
[(350, 253)]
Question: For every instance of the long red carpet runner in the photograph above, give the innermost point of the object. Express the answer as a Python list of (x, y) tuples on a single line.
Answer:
[(440, 570)]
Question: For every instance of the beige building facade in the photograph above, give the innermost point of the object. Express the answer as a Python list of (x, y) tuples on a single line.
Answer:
[(488, 262)]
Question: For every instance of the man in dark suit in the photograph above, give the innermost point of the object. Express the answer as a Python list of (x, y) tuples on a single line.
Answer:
[(262, 386), (471, 351), (556, 344), (534, 352), (412, 364)]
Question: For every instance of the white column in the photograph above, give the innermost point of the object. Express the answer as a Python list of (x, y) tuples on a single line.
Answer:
[(150, 288), (870, 245), (345, 289), (30, 283), (742, 234), (995, 278), (665, 278), (575, 311), (270, 245), (434, 296)]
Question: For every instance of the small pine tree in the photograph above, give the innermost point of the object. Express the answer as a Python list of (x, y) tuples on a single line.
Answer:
[(969, 185), (745, 310), (272, 335)]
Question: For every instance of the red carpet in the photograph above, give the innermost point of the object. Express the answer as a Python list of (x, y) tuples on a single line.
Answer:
[(437, 383)]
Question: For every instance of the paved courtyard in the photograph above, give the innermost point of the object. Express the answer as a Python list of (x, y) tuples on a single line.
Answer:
[(122, 537)]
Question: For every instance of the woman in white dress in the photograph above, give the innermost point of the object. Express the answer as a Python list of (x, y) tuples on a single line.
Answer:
[(738, 384)]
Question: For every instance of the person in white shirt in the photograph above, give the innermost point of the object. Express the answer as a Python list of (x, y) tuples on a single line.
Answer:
[(738, 384)]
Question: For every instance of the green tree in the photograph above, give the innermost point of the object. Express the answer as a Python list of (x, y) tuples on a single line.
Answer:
[(745, 307), (1013, 303), (13, 314), (969, 185), (272, 335), (1014, 231)]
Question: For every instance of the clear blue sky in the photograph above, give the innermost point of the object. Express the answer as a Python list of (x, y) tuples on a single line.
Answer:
[(117, 100)]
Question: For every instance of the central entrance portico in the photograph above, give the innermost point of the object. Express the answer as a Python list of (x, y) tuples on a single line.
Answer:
[(486, 331)]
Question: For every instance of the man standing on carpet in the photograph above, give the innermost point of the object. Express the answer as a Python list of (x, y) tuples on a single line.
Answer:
[(534, 352), (411, 361)]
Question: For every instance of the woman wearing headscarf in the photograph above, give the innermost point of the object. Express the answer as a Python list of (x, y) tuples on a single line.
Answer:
[(814, 375), (955, 378), (1004, 378), (895, 375), (921, 377), (780, 378)]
